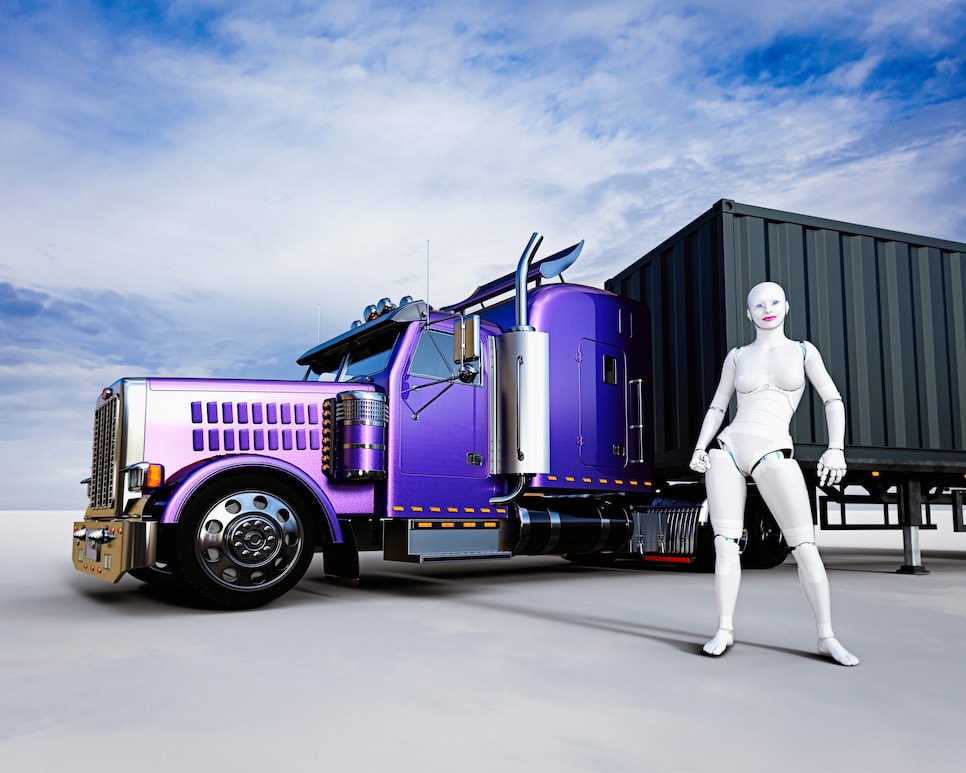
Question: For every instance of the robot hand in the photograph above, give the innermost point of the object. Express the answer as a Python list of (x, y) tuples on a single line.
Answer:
[(831, 467), (700, 461)]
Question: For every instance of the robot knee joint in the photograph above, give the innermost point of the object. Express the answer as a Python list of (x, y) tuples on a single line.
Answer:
[(727, 554)]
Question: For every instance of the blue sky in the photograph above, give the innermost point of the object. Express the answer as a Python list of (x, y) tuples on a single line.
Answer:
[(195, 187)]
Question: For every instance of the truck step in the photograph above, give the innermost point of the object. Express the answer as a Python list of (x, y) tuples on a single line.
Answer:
[(426, 541), (465, 555)]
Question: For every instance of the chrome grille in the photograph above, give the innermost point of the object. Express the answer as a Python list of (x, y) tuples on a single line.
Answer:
[(682, 529), (362, 407), (669, 530), (104, 454)]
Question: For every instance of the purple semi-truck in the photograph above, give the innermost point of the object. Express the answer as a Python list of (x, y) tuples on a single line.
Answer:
[(515, 422)]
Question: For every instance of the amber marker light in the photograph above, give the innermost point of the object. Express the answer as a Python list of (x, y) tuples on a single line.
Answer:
[(154, 476), (145, 476)]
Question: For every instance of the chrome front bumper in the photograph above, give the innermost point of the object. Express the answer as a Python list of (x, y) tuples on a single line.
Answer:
[(109, 549)]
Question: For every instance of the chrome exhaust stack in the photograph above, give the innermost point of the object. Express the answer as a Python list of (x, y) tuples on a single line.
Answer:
[(523, 271), (520, 394)]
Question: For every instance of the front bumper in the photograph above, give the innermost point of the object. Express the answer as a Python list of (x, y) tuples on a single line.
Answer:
[(109, 549)]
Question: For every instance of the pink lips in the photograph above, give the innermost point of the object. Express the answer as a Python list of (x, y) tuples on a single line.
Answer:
[(770, 317)]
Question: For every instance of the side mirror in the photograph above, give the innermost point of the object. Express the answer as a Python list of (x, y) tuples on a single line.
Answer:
[(469, 373), (466, 339)]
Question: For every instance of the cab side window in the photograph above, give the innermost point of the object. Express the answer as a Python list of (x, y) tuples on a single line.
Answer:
[(434, 356)]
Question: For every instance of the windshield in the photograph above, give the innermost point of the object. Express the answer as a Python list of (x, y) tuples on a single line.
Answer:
[(366, 360), (357, 361)]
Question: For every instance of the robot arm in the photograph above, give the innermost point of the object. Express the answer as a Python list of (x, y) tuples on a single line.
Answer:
[(714, 418), (831, 466)]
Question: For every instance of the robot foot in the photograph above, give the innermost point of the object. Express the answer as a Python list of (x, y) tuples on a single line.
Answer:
[(831, 647), (722, 639)]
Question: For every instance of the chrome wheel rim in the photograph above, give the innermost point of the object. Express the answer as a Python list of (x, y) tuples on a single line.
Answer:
[(249, 540)]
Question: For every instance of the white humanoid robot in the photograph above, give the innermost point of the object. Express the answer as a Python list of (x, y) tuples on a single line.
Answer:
[(769, 377)]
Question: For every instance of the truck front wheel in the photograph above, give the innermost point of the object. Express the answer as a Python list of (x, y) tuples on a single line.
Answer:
[(245, 540)]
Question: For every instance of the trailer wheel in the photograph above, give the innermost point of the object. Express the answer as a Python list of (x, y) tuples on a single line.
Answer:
[(766, 546), (245, 540)]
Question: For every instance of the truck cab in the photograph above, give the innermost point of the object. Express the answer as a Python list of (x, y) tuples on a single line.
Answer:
[(513, 422)]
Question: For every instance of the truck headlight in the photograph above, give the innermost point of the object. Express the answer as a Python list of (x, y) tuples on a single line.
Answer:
[(144, 476)]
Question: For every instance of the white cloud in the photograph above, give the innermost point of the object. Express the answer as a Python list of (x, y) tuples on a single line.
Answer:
[(237, 166)]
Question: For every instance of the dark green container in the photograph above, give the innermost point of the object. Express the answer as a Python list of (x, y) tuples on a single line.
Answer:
[(886, 309)]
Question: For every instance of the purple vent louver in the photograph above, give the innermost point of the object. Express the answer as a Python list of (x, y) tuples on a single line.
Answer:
[(221, 434)]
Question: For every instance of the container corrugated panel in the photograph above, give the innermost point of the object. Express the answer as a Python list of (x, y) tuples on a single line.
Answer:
[(886, 309)]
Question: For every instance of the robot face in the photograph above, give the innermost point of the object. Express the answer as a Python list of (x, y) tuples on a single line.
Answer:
[(767, 306)]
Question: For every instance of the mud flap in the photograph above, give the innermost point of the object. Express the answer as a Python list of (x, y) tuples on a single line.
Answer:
[(341, 563)]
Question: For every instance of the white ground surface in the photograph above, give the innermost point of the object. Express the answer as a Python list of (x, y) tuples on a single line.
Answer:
[(527, 665)]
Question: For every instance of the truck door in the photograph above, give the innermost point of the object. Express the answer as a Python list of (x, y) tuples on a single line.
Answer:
[(444, 428), (602, 424)]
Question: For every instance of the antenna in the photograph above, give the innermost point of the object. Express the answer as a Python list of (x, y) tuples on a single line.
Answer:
[(427, 277), (318, 327)]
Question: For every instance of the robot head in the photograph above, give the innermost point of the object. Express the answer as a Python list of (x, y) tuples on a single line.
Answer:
[(767, 306)]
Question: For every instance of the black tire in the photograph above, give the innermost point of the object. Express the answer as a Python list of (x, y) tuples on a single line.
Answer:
[(245, 540), (766, 547)]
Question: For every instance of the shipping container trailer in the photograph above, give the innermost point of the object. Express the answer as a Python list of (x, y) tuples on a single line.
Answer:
[(886, 309)]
